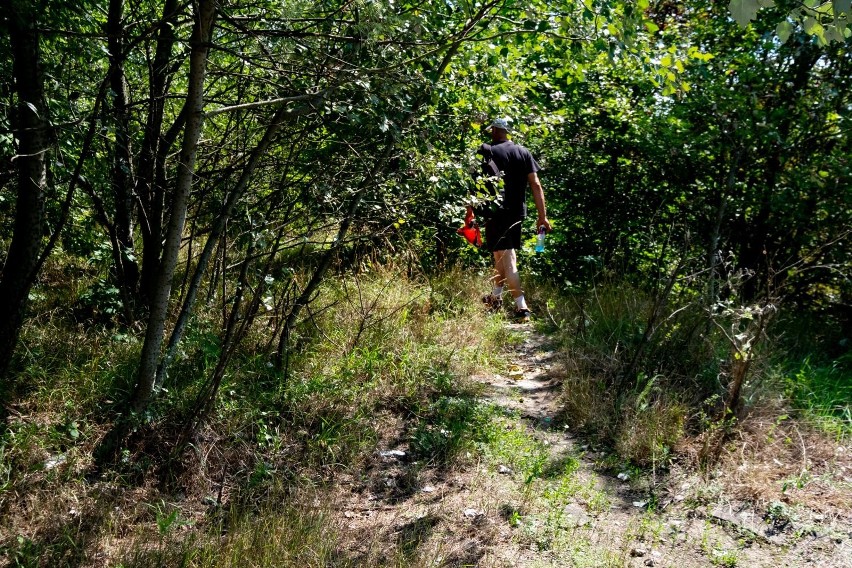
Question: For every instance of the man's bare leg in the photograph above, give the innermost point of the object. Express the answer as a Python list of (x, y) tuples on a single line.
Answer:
[(506, 262), (499, 278), (494, 301), (507, 266)]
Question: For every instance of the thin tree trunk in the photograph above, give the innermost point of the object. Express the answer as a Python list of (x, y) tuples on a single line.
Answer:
[(627, 376), (759, 243), (144, 392), (318, 275), (219, 225), (234, 334), (127, 269), (714, 259), (316, 279), (147, 188), (743, 352), (32, 129)]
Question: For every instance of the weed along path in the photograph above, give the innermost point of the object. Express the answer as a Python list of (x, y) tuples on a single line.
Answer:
[(526, 492)]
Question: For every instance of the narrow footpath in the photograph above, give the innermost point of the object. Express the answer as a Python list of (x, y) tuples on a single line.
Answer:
[(572, 506)]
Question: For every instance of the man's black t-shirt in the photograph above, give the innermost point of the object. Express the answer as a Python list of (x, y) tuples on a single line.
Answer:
[(516, 163)]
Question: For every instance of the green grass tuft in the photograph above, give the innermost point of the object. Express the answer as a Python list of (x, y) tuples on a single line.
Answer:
[(824, 392)]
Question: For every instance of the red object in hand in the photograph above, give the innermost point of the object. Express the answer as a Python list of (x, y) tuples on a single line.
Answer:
[(470, 231)]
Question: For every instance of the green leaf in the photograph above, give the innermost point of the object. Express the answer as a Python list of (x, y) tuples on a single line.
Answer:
[(834, 33), (783, 30), (842, 7), (651, 27), (813, 27), (743, 11)]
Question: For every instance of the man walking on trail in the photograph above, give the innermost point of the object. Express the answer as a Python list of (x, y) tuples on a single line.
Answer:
[(503, 229)]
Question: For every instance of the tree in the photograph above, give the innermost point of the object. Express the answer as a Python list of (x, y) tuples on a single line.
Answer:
[(31, 127), (204, 16)]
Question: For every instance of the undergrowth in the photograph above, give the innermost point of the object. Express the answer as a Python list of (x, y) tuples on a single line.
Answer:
[(646, 371), (824, 392), (374, 354), (372, 350), (631, 382)]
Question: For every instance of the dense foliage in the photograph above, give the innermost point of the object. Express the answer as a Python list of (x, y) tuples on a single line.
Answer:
[(228, 231), (162, 156)]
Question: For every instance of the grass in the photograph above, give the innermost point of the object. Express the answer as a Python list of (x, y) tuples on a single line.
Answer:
[(649, 528), (275, 535), (548, 483), (378, 362), (644, 385), (448, 427), (375, 351), (717, 553), (509, 444), (824, 393), (627, 390)]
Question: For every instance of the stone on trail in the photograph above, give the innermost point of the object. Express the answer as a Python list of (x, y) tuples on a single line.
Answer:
[(398, 454), (576, 515)]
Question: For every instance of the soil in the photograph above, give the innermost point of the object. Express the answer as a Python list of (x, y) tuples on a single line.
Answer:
[(484, 515)]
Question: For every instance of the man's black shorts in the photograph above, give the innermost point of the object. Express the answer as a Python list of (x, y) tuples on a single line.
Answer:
[(503, 231)]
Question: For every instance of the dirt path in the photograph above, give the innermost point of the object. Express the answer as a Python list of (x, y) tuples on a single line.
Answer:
[(568, 507)]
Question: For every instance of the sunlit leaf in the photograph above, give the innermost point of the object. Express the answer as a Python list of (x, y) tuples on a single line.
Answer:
[(783, 30), (743, 11)]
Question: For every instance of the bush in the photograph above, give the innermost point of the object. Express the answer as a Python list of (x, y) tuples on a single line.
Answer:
[(633, 374)]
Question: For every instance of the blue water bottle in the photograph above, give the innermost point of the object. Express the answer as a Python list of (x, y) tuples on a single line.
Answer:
[(539, 243)]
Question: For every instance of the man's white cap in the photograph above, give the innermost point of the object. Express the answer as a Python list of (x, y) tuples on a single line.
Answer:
[(501, 123)]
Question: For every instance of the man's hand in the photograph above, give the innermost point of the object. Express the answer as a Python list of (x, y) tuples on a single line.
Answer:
[(538, 197)]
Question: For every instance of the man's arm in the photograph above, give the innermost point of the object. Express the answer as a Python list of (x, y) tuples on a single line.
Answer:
[(538, 197)]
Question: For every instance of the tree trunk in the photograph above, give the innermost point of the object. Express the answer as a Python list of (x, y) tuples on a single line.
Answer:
[(147, 188), (714, 255), (204, 17), (215, 233), (32, 131), (762, 236), (126, 269), (319, 273)]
